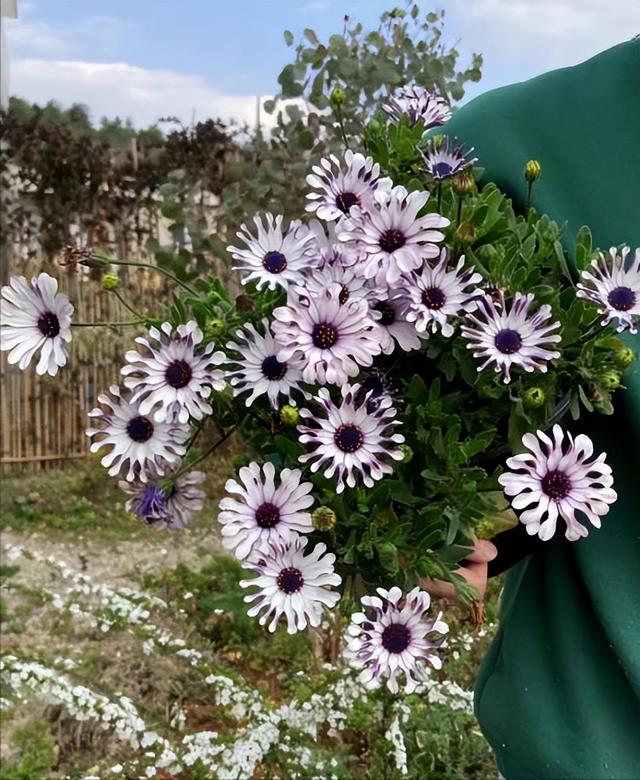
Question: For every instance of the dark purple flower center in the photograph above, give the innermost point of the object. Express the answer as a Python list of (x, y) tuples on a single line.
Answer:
[(556, 484), (273, 369), (343, 297), (349, 438), (274, 262), (49, 324), (388, 312), (622, 298), (392, 239), (290, 580), (324, 335), (153, 502), (508, 341), (434, 298), (344, 201), (442, 170), (267, 515), (140, 429), (178, 374), (396, 638)]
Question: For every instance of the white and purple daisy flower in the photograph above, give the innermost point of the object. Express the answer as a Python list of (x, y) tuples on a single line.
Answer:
[(391, 237), (511, 336), (392, 324), (258, 371), (614, 287), (394, 637), (440, 293), (417, 104), (291, 584), (327, 250), (274, 256), (168, 504), (339, 185), (35, 317), (334, 338), (353, 286), (558, 478), (352, 441), (171, 376), (262, 512), (444, 158), (137, 445)]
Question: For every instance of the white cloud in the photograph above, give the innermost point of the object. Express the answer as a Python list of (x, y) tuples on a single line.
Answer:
[(551, 32), (118, 89)]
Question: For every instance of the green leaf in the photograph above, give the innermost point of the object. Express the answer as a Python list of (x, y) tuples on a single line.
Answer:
[(288, 37)]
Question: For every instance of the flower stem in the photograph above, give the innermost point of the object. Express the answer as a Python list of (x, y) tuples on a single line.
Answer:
[(459, 214), (439, 195), (343, 132), (125, 304), (159, 269), (529, 188), (206, 453), (107, 324)]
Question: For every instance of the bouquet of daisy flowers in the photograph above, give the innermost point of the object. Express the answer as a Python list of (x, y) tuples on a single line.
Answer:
[(399, 370)]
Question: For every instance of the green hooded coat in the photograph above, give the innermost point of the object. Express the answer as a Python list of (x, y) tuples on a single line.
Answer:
[(558, 695)]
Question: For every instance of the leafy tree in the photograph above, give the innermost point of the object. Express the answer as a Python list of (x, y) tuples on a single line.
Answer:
[(407, 47)]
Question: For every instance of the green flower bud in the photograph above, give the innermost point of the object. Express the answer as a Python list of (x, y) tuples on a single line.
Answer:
[(374, 126), (466, 233), (337, 96), (624, 357), (534, 397), (239, 461), (388, 555), (438, 141), (323, 518), (611, 380), (407, 453), (110, 282), (532, 170), (289, 415), (217, 327), (463, 183)]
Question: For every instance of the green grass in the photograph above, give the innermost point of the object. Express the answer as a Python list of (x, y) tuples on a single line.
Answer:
[(82, 499)]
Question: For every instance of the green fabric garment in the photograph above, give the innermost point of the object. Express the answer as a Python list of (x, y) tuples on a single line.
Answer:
[(558, 695)]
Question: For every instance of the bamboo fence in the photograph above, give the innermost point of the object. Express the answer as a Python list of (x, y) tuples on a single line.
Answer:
[(44, 418)]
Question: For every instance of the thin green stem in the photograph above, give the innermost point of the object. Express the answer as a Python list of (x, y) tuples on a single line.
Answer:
[(529, 188), (126, 304), (341, 125), (150, 266), (439, 195), (206, 453), (106, 324), (459, 214)]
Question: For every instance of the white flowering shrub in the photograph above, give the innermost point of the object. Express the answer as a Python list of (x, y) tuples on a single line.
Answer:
[(321, 724)]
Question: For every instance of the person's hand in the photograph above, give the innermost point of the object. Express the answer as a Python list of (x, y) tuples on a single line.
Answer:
[(473, 568)]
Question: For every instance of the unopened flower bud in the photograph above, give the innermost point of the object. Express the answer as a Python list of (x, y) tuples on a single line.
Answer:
[(337, 96), (624, 357), (466, 233), (463, 183), (110, 282), (532, 170), (534, 397), (388, 555), (289, 415), (374, 126), (438, 141), (217, 326), (323, 518), (407, 453), (611, 380), (239, 461)]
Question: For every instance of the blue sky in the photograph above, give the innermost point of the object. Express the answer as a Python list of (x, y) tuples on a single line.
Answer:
[(145, 58)]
